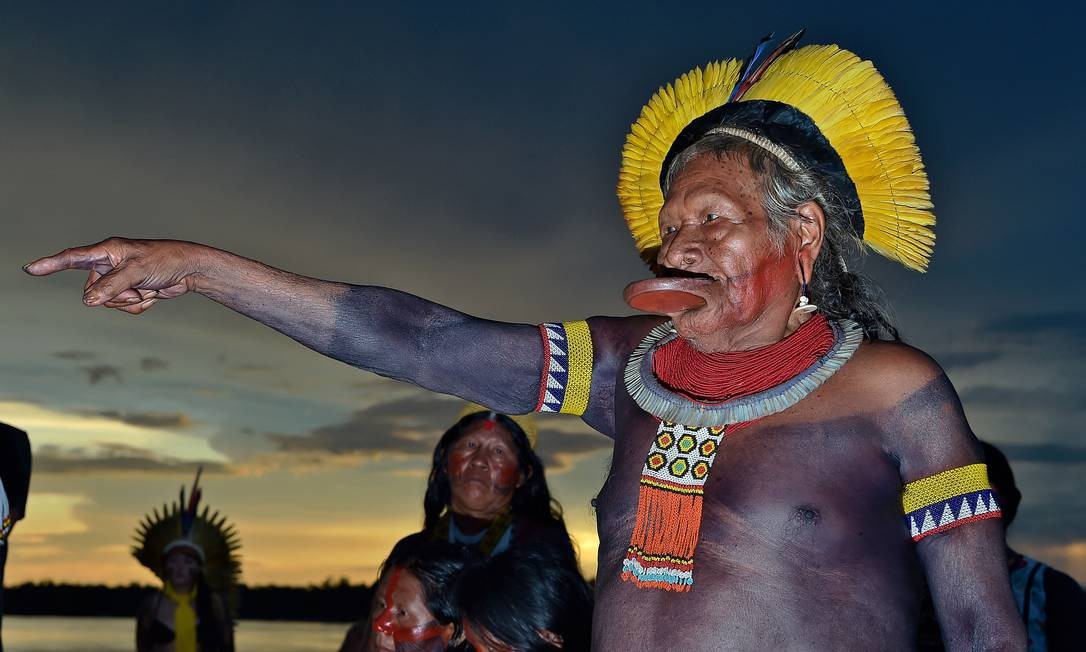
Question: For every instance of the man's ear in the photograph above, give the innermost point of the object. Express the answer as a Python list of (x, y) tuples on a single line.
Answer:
[(810, 230), (447, 632)]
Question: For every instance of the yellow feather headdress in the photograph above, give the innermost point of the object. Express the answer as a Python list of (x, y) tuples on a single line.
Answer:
[(835, 100)]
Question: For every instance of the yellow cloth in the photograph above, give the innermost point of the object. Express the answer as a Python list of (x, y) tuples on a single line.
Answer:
[(944, 486), (184, 619)]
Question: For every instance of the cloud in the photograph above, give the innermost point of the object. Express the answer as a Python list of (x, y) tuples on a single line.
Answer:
[(409, 426), (1048, 402), (99, 372), (74, 355), (952, 360), (1071, 325), (994, 397), (152, 363), (1044, 453), (412, 427), (559, 449), (148, 419), (251, 369), (50, 458)]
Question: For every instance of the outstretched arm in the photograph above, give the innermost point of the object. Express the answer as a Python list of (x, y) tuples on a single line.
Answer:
[(385, 331), (953, 519)]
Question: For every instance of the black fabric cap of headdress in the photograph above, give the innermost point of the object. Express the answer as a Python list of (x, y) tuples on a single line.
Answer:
[(788, 127)]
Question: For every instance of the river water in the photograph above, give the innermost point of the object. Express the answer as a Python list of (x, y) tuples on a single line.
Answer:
[(56, 634)]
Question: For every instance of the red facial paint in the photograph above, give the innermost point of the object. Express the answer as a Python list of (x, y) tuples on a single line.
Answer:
[(501, 470), (385, 622), (507, 477)]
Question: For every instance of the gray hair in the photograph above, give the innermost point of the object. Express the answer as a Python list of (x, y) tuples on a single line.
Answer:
[(838, 292)]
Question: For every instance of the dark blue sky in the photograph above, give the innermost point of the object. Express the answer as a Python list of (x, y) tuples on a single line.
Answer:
[(469, 154)]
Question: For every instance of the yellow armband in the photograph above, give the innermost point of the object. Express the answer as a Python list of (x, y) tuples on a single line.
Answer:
[(567, 368), (948, 499)]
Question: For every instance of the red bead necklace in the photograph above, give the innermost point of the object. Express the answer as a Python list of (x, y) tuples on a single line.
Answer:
[(719, 377)]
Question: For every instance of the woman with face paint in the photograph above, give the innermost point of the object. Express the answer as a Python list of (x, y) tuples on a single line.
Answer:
[(195, 556), (487, 487), (487, 490), (414, 602)]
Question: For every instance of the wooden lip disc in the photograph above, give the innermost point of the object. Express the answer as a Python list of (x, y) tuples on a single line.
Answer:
[(664, 296)]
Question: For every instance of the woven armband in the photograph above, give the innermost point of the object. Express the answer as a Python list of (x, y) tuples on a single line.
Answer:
[(567, 368), (949, 499)]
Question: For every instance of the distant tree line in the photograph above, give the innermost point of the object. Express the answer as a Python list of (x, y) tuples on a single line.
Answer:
[(331, 601)]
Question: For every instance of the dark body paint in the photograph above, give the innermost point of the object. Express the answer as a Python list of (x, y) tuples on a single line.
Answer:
[(803, 543)]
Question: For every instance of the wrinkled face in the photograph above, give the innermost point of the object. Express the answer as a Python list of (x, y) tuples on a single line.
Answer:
[(713, 225), (483, 470), (182, 569), (403, 622)]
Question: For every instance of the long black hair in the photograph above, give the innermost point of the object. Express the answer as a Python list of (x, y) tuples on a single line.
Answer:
[(532, 499), (437, 565), (520, 593)]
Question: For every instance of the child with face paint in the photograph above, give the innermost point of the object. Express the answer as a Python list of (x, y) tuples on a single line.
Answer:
[(414, 607)]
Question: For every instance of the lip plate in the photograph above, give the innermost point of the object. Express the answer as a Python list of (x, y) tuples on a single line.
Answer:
[(665, 296)]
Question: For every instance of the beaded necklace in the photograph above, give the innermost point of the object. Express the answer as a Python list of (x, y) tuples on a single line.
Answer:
[(699, 399)]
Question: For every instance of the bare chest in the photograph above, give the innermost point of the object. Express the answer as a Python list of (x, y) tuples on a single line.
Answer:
[(825, 485), (801, 538)]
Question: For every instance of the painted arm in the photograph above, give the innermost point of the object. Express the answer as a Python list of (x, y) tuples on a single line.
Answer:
[(386, 331), (961, 548)]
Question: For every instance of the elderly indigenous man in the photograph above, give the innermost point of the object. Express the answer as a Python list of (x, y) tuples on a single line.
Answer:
[(781, 475)]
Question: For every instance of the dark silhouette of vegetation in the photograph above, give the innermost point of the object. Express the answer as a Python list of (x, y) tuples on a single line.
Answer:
[(336, 601)]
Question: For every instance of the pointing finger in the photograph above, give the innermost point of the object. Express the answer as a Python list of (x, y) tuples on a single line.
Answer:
[(74, 258)]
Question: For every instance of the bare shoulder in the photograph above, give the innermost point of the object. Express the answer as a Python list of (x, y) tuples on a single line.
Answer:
[(914, 407), (621, 334), (613, 338), (886, 373)]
